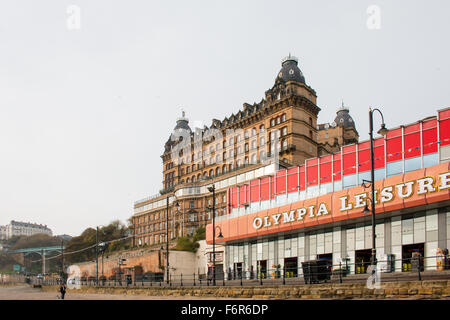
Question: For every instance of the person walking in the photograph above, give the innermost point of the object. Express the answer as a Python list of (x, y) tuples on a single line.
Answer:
[(62, 290)]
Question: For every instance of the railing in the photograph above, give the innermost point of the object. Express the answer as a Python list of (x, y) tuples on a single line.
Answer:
[(412, 269)]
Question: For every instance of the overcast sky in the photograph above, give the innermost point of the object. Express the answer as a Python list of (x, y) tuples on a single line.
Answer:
[(90, 89)]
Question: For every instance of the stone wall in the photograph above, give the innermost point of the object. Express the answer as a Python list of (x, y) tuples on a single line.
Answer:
[(151, 260), (388, 290)]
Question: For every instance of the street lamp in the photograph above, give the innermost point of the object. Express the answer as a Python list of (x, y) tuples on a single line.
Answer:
[(383, 131), (213, 190), (167, 235)]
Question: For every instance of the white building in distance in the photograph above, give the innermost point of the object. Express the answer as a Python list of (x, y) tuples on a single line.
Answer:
[(17, 228)]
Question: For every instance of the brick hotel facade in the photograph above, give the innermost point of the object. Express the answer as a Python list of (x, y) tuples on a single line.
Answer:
[(246, 145)]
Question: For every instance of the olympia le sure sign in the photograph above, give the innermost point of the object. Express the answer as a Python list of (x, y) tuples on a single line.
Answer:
[(403, 190)]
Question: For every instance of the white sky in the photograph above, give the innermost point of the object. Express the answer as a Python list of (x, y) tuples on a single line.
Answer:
[(84, 113)]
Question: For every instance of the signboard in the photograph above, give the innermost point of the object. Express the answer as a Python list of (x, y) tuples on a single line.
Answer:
[(16, 267), (219, 257)]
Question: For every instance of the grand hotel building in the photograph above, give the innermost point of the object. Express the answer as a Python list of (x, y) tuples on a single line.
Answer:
[(289, 189), (280, 130)]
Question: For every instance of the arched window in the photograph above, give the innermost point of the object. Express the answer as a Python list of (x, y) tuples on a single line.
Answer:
[(253, 132), (188, 180), (224, 168), (193, 178), (199, 176), (253, 144), (254, 158), (284, 143), (278, 120), (246, 160), (262, 128), (193, 167), (217, 171), (283, 117), (211, 173)]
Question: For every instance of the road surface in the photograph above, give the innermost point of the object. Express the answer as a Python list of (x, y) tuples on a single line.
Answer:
[(23, 292)]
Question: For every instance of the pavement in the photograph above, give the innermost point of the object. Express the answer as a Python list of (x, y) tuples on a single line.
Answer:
[(23, 292)]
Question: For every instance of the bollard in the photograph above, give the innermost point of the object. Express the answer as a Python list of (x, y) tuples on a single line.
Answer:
[(223, 280), (194, 279), (284, 274), (241, 278), (419, 266), (181, 280), (340, 272)]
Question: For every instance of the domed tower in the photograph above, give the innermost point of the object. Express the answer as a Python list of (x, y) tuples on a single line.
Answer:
[(340, 132), (171, 167), (292, 99)]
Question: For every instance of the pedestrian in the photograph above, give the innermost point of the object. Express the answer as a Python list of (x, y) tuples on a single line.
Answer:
[(62, 290)]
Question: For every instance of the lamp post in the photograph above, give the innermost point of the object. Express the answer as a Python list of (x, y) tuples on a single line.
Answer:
[(167, 235), (96, 256), (213, 190), (382, 132)]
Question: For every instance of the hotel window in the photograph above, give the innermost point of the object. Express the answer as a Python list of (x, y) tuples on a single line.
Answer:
[(283, 117), (224, 143), (253, 158), (224, 168), (211, 173), (231, 166), (262, 141), (193, 179), (231, 142), (239, 150), (217, 171), (188, 180), (188, 169), (262, 128), (211, 160), (246, 160), (272, 122), (238, 163), (284, 144), (278, 120), (211, 149), (253, 144), (218, 146), (246, 147), (218, 158), (284, 131), (231, 152), (253, 132), (272, 135), (246, 134), (224, 155)]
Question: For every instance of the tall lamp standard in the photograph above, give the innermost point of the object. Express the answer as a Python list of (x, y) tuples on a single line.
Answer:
[(167, 235), (383, 131), (213, 190)]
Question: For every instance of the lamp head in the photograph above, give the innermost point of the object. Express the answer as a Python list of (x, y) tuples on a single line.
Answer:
[(366, 209), (211, 189), (383, 131), (220, 236)]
